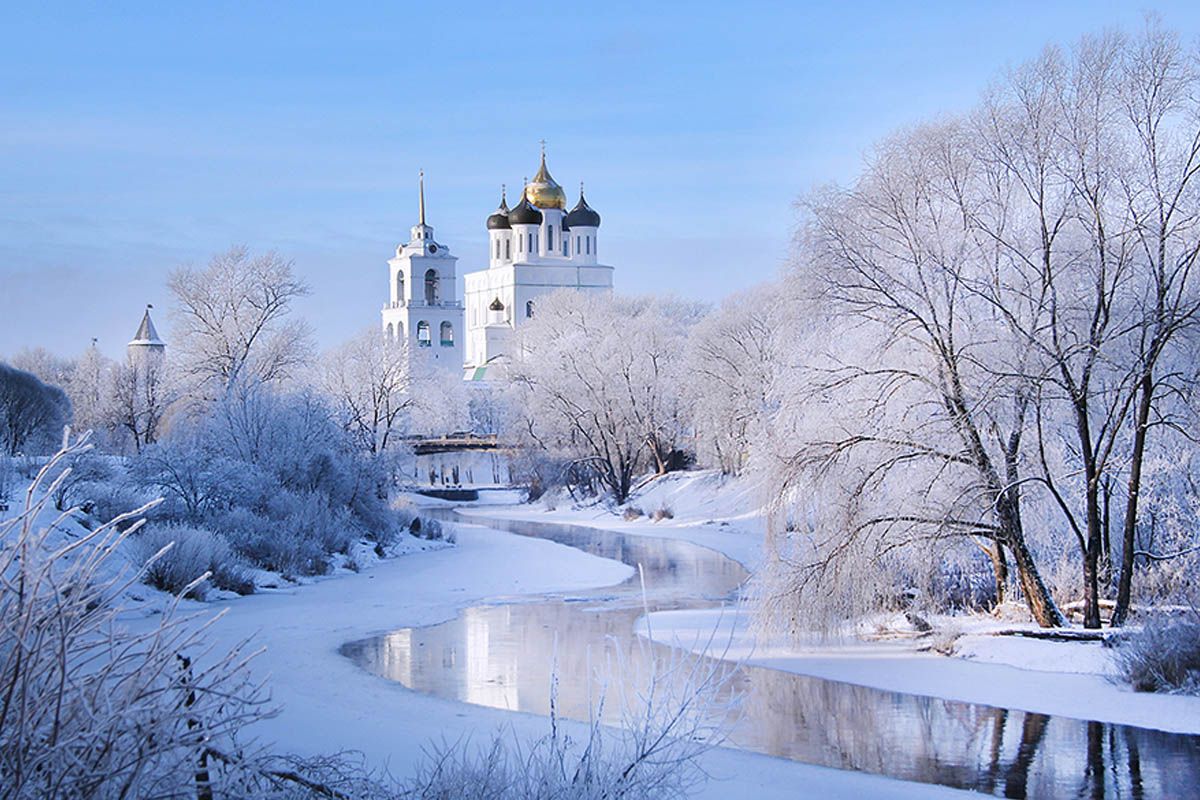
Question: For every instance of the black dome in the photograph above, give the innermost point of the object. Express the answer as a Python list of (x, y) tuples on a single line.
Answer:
[(499, 220), (582, 216), (524, 213)]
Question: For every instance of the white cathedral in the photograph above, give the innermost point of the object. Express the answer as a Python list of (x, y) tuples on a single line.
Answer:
[(534, 248)]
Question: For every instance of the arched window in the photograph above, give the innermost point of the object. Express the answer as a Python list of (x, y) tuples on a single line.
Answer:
[(577, 244), (391, 332), (399, 331), (528, 309), (423, 338), (400, 286), (447, 335), (549, 238), (507, 249), (431, 287), (497, 248)]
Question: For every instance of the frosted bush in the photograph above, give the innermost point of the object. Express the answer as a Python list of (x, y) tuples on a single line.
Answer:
[(1162, 657), (193, 552), (83, 472), (89, 708), (631, 513), (107, 500)]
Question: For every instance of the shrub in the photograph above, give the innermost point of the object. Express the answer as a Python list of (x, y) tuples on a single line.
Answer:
[(379, 524), (194, 552), (97, 709), (1164, 656), (86, 470), (270, 543), (663, 512), (632, 513)]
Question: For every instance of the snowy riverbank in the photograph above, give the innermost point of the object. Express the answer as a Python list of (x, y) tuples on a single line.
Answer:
[(328, 703), (1058, 678)]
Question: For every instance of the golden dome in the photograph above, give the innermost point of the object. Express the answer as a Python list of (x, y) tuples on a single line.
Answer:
[(543, 191)]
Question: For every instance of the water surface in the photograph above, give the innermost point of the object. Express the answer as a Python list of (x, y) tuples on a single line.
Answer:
[(502, 655)]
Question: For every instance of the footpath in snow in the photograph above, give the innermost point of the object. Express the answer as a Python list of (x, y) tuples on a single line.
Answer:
[(1058, 678)]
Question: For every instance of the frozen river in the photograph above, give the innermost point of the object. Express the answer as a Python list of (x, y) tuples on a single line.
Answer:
[(502, 655)]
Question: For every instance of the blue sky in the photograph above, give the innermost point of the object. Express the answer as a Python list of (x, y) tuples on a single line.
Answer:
[(137, 137)]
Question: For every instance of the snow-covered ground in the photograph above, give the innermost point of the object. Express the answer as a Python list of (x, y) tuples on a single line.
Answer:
[(328, 703), (1060, 678)]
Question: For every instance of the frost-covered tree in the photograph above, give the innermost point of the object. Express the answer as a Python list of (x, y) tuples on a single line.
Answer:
[(909, 409), (232, 321), (139, 399), (1158, 98), (89, 389), (1032, 267), (598, 382), (372, 384), (48, 367), (732, 359)]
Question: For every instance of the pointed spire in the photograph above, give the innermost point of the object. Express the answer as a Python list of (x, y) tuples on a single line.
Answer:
[(146, 333), (421, 181)]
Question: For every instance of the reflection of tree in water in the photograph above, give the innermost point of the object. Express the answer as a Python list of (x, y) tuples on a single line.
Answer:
[(503, 656)]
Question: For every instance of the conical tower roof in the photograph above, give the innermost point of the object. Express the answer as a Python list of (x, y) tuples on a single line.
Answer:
[(146, 333)]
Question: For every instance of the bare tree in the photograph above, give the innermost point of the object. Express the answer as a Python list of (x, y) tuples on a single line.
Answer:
[(919, 382), (231, 321)]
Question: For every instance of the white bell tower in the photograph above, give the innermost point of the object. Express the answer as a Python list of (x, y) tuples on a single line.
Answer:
[(423, 308)]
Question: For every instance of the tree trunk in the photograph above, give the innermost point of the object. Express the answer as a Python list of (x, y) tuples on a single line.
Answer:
[(1000, 570), (1041, 605), (1129, 528), (1091, 586)]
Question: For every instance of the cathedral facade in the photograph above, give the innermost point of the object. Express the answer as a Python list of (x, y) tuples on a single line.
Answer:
[(534, 248)]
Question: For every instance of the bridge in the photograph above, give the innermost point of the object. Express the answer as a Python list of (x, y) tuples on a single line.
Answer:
[(456, 443), (459, 466)]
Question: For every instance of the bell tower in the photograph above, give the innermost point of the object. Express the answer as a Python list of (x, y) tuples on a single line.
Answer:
[(423, 308)]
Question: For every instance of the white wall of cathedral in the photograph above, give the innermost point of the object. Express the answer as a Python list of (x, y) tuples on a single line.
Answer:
[(545, 243), (518, 286)]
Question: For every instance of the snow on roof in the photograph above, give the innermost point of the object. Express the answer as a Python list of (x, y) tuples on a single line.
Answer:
[(146, 334)]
